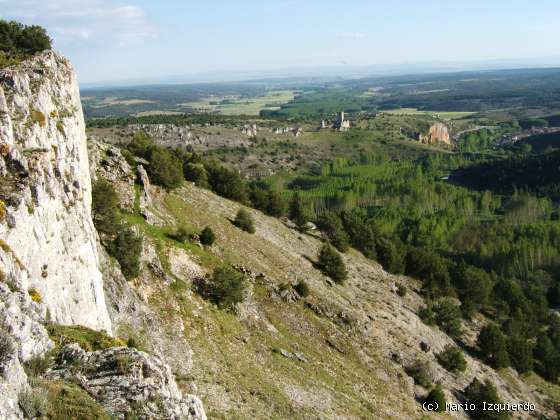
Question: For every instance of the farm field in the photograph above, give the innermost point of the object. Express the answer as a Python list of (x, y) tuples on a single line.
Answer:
[(451, 115), (236, 105)]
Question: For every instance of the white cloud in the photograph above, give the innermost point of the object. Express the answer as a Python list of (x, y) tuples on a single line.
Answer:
[(102, 22)]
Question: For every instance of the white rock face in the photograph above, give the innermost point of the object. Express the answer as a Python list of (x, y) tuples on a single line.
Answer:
[(20, 324), (46, 190), (124, 379)]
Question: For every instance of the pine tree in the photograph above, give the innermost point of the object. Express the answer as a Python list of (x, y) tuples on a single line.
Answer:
[(332, 227), (105, 204), (298, 213), (520, 354), (331, 264), (165, 169), (492, 346), (479, 393), (452, 359), (277, 205)]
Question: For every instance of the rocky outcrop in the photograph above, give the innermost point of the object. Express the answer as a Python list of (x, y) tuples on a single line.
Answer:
[(145, 197), (199, 137), (438, 133), (46, 192), (107, 162), (22, 337), (182, 134), (127, 381), (147, 210)]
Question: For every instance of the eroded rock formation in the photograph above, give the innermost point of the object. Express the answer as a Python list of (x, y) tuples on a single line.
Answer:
[(438, 133)]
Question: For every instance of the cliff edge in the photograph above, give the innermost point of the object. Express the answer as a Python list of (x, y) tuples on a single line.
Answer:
[(58, 358), (45, 192)]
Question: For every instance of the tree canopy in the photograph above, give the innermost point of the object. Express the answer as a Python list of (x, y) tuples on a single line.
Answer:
[(18, 41)]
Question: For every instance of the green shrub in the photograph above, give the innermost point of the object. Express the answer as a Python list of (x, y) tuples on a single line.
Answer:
[(37, 366), (7, 60), (131, 343), (401, 290), (474, 286), (226, 288), (479, 393), (390, 254), (207, 236), (33, 403), (419, 371), (361, 233), (141, 145), (182, 234), (227, 183), (87, 339), (331, 264), (131, 160), (33, 39), (452, 359), (126, 248), (165, 169), (195, 172), (431, 269), (268, 201), (436, 397), (69, 401), (276, 206), (244, 221), (105, 204), (547, 357), (427, 315), (120, 241), (447, 315), (302, 288)]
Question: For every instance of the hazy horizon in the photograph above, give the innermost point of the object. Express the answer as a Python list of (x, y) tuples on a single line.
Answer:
[(329, 73), (136, 40)]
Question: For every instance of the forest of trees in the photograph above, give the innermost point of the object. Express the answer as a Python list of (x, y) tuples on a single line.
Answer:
[(498, 254), (537, 173)]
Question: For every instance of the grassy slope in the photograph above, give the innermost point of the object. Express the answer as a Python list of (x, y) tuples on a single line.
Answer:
[(349, 372), (235, 358)]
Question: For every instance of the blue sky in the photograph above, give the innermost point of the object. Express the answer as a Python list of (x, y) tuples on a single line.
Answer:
[(128, 39)]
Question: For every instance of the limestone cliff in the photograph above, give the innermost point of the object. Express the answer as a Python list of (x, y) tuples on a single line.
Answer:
[(46, 192), (50, 268)]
